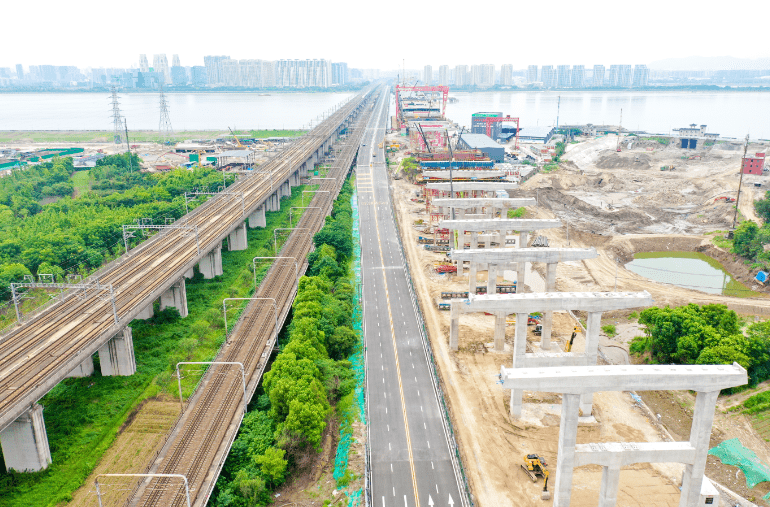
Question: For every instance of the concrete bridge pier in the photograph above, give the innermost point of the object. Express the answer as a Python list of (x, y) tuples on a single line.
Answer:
[(608, 492), (257, 219), (25, 442), (454, 327), (593, 326), (492, 279), (117, 355), (238, 239), (211, 264), (84, 369), (147, 313), (521, 270), (550, 286), (189, 273), (519, 351), (175, 296), (500, 318)]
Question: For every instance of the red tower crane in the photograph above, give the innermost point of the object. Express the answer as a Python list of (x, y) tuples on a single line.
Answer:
[(489, 120), (443, 90)]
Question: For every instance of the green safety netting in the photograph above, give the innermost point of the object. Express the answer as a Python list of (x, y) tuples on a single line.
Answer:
[(357, 360), (732, 452)]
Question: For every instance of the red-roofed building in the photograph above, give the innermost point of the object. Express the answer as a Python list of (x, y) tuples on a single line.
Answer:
[(754, 165)]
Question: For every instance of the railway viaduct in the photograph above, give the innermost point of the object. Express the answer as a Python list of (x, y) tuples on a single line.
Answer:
[(58, 341)]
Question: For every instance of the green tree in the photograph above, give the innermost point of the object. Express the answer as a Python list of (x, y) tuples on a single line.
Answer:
[(272, 464), (744, 236), (762, 207)]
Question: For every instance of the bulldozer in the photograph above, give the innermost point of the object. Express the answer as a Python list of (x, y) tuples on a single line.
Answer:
[(536, 466)]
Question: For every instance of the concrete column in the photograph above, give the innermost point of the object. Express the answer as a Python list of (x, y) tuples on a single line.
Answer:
[(257, 219), (700, 434), (474, 239), (608, 493), (147, 313), (211, 264), (460, 246), (460, 214), (25, 442), (504, 211), (593, 325), (522, 240), (565, 457), (238, 239), (500, 331), (492, 279), (519, 350), (117, 355), (189, 273), (501, 239), (550, 286), (454, 326), (521, 270), (84, 369), (473, 278), (488, 241), (175, 296)]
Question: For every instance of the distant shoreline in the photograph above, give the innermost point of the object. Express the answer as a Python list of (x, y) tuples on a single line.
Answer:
[(497, 88)]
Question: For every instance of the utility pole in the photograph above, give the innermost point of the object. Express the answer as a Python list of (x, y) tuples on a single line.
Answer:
[(740, 182), (164, 126), (128, 147), (116, 123)]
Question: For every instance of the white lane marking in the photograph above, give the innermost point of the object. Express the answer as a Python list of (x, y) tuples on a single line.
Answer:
[(391, 468), (418, 392), (383, 380), (385, 395), (383, 500), (386, 410), (394, 491), (412, 365), (420, 408), (428, 443), (405, 504), (431, 465), (389, 448), (388, 425), (425, 427), (436, 485)]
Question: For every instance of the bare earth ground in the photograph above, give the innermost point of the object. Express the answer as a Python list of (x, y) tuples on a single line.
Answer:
[(667, 215)]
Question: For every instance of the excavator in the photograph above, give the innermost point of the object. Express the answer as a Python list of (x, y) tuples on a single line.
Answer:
[(575, 331), (533, 466)]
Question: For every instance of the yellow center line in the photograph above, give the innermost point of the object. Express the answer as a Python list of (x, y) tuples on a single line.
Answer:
[(398, 367)]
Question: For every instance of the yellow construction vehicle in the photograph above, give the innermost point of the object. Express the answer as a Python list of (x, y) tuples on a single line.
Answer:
[(236, 137), (575, 331), (536, 466)]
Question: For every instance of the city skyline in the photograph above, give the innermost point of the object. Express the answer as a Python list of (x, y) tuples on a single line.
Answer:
[(607, 33)]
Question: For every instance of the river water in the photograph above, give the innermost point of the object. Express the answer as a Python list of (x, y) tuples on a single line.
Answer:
[(732, 114)]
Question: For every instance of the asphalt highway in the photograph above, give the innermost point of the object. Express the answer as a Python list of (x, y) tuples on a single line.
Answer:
[(410, 456)]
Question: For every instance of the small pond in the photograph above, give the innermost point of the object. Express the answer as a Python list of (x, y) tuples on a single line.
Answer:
[(691, 270)]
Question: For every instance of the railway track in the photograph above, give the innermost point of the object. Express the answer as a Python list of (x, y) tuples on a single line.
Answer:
[(205, 430), (41, 351)]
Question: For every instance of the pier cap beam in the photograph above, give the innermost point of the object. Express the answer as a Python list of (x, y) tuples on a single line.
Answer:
[(486, 202), (463, 174), (468, 186), (554, 301), (590, 379), (546, 255), (500, 224)]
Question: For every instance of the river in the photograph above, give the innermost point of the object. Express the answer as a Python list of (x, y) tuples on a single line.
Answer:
[(731, 114)]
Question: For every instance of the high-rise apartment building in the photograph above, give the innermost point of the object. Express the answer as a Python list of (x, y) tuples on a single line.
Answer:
[(443, 75), (485, 77), (231, 72), (160, 65), (461, 75), (19, 71), (564, 76), (303, 73), (178, 76), (143, 65), (506, 74), (339, 73), (598, 77), (641, 76), (532, 74), (548, 76), (578, 76), (175, 61), (427, 75), (198, 75), (213, 66)]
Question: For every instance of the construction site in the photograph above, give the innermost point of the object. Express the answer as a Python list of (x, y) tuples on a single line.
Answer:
[(613, 196)]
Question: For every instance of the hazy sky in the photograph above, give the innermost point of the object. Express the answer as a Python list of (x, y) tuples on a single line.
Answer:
[(90, 33)]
